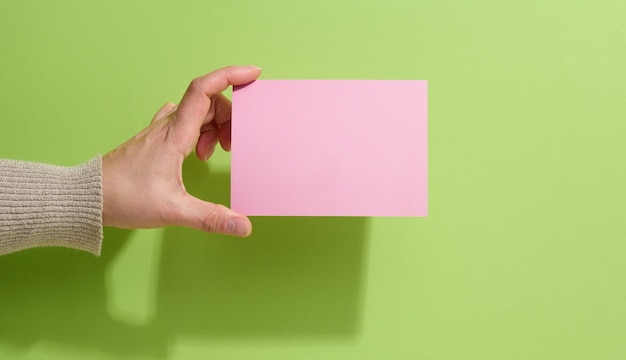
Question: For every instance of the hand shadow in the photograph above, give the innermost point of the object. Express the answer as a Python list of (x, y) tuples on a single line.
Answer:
[(59, 295), (294, 276)]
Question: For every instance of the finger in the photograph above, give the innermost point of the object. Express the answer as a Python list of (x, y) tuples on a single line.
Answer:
[(214, 218), (219, 111), (223, 109), (223, 135), (218, 116), (164, 111), (196, 102), (207, 141)]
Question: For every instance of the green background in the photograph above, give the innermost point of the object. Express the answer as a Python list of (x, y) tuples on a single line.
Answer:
[(523, 255)]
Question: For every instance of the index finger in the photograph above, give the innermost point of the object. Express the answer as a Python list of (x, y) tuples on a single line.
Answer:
[(196, 102)]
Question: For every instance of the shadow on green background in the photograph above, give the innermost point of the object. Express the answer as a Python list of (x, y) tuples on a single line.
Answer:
[(59, 295), (294, 277)]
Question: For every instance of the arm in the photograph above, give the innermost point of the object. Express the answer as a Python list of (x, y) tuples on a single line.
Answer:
[(137, 185), (44, 205)]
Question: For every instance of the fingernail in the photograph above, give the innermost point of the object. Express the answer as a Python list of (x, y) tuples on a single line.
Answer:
[(237, 227), (253, 67), (209, 153)]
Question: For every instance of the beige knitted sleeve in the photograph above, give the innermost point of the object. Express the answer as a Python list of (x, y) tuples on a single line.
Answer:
[(45, 205)]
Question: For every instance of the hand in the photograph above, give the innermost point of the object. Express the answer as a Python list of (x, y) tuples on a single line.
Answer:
[(142, 178)]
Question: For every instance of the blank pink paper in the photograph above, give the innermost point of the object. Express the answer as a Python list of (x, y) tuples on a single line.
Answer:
[(330, 148)]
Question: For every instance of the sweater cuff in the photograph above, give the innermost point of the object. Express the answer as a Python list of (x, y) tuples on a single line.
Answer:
[(45, 205)]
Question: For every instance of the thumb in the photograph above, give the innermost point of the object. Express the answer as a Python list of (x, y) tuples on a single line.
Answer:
[(214, 218)]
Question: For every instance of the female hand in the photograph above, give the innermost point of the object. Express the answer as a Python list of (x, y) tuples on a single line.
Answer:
[(142, 179)]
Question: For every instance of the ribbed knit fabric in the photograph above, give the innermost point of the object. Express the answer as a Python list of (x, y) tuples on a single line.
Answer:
[(45, 205)]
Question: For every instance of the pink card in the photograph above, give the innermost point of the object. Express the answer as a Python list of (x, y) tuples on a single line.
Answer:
[(330, 148)]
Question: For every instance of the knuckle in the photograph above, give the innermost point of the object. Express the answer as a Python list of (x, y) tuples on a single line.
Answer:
[(212, 220), (169, 106), (195, 84)]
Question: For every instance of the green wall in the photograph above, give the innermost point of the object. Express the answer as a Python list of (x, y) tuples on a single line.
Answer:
[(523, 255)]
